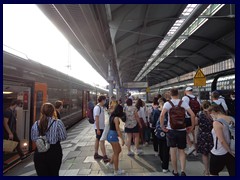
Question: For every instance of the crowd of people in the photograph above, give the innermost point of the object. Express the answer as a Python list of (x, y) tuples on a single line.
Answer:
[(170, 124), (176, 128)]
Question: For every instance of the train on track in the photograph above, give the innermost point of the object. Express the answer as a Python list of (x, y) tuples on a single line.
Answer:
[(35, 84)]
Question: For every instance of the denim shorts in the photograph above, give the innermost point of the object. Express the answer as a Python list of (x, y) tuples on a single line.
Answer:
[(112, 136)]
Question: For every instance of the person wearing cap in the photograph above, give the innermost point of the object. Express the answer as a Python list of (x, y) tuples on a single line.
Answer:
[(191, 146), (216, 100)]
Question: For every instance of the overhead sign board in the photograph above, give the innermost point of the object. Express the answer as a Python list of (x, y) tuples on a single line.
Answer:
[(134, 85), (199, 78)]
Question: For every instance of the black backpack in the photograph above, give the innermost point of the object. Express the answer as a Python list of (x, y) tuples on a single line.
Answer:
[(158, 131), (220, 105), (153, 120), (90, 115)]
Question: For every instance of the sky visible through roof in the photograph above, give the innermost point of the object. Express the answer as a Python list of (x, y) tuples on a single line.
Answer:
[(28, 30)]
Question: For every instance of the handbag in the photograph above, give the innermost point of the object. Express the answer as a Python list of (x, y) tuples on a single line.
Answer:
[(42, 142), (9, 145)]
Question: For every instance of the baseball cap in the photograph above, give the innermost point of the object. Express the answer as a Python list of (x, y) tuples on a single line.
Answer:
[(188, 89)]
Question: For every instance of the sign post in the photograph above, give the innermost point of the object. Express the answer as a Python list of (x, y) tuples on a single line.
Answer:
[(199, 80)]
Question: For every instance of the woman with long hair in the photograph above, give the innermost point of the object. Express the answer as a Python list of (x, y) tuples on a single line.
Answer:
[(132, 125), (221, 153), (204, 137), (113, 134), (48, 163)]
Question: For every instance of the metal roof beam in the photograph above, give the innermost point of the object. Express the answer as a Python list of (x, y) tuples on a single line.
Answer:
[(197, 53), (190, 19), (218, 44)]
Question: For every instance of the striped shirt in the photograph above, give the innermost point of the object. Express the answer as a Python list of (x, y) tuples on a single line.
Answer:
[(57, 131)]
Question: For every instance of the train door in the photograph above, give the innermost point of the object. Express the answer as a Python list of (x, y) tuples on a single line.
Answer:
[(18, 91)]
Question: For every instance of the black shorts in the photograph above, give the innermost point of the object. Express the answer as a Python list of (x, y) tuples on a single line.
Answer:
[(218, 162), (132, 130), (188, 122), (176, 139), (99, 136)]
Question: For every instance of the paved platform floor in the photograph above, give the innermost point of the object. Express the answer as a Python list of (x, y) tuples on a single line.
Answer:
[(78, 151)]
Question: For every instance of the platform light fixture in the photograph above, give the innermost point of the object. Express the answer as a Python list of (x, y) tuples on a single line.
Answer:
[(7, 92)]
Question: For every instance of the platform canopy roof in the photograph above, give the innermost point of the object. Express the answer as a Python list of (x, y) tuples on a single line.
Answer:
[(147, 42)]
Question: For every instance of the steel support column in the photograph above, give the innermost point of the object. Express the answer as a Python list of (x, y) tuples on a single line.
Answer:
[(110, 80)]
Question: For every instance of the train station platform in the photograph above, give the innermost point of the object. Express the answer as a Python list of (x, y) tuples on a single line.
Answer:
[(78, 151)]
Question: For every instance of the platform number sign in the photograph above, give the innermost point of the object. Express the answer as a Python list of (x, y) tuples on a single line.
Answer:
[(199, 78)]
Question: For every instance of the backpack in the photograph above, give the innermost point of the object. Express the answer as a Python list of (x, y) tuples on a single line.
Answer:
[(222, 109), (41, 141), (159, 132), (151, 118), (155, 117), (194, 104), (177, 116), (231, 129), (90, 115)]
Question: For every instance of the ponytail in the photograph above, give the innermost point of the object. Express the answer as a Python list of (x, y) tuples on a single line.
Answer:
[(43, 124), (47, 111)]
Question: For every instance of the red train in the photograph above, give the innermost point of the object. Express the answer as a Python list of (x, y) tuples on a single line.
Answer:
[(35, 84)]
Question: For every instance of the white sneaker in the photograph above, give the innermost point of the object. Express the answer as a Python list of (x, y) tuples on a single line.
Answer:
[(156, 154), (130, 153), (138, 152), (190, 150), (119, 172), (109, 165), (165, 170), (195, 153)]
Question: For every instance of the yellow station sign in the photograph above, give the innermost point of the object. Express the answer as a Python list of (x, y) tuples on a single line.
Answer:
[(199, 78), (148, 90)]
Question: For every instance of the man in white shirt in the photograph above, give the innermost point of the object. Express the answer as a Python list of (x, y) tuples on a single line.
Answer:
[(176, 138), (191, 146), (99, 124)]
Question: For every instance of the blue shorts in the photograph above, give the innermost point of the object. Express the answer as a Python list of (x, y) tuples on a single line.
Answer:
[(112, 136)]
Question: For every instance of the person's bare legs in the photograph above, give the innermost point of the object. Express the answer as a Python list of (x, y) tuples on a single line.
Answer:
[(96, 146), (182, 158), (129, 141), (173, 153), (116, 151), (102, 147), (205, 160), (136, 141)]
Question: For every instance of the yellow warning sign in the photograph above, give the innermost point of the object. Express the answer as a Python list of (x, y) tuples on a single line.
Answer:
[(199, 78), (199, 74), (148, 89), (199, 81)]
